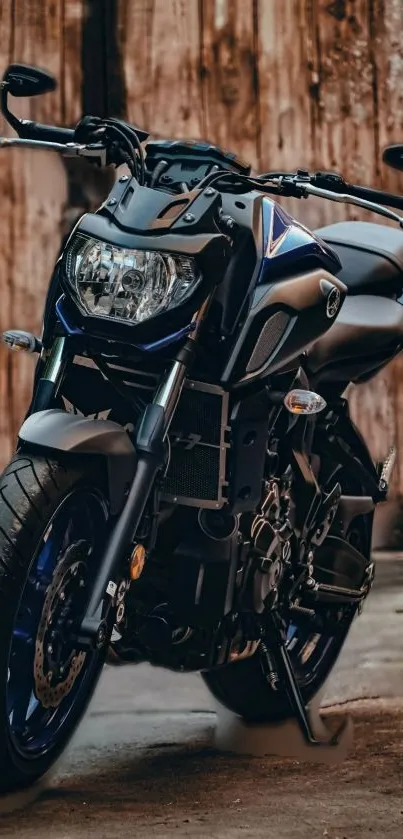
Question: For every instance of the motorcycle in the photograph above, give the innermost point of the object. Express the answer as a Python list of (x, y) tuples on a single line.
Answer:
[(188, 488)]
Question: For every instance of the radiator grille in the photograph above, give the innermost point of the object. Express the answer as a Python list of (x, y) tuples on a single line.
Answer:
[(199, 412), (196, 473), (268, 339)]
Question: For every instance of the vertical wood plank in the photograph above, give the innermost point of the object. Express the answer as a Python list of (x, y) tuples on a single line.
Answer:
[(376, 406), (386, 26), (34, 188), (71, 74), (287, 83), (7, 420), (229, 74), (160, 40), (284, 83)]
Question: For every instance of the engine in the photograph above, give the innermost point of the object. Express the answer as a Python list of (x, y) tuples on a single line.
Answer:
[(200, 599)]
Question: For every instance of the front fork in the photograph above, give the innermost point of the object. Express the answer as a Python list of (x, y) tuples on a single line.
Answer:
[(52, 370), (149, 444), (150, 448)]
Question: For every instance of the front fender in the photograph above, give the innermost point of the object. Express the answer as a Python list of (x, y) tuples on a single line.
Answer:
[(56, 433)]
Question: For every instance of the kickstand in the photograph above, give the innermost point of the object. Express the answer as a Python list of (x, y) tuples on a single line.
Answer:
[(302, 717), (273, 648), (304, 737)]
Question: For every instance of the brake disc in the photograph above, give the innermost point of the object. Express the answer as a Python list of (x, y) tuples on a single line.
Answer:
[(50, 687)]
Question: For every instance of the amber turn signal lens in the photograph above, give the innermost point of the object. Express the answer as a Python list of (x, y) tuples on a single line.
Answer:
[(304, 402), (137, 562), (20, 341)]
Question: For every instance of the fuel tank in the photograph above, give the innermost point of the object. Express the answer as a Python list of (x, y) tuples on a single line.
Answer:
[(288, 245), (294, 299)]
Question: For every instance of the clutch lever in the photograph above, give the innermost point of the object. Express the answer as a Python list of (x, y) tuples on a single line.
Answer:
[(94, 151)]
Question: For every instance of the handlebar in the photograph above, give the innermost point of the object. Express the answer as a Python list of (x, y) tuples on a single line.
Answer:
[(347, 198), (336, 183), (333, 187), (328, 185), (30, 130)]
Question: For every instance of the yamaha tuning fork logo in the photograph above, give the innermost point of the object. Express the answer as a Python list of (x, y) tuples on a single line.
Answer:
[(333, 302)]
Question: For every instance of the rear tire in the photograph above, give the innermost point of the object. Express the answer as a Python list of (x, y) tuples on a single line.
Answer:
[(37, 497), (241, 686)]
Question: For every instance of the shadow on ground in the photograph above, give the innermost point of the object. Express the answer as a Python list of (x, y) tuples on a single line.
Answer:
[(172, 790)]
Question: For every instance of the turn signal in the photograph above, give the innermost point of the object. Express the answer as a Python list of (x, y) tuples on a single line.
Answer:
[(21, 341), (137, 562), (304, 402)]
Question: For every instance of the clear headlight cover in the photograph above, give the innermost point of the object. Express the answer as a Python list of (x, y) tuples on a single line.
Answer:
[(129, 285)]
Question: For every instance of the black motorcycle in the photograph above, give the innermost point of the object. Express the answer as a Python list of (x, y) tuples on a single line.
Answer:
[(188, 488)]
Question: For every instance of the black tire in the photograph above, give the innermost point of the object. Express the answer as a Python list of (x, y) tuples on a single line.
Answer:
[(242, 687), (32, 491)]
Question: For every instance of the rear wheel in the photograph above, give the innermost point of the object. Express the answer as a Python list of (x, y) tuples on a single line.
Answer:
[(242, 686), (53, 525)]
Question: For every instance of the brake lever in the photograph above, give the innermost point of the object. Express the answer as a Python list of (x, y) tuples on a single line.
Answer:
[(301, 185), (345, 198)]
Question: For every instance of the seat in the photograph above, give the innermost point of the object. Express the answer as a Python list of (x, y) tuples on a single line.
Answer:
[(371, 256), (366, 334)]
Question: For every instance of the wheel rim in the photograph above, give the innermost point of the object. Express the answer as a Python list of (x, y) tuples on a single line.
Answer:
[(48, 678), (309, 653)]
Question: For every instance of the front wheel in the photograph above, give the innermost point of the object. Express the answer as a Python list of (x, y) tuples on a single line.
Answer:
[(53, 526)]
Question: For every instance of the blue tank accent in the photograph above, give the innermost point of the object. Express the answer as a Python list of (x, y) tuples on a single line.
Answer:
[(287, 245)]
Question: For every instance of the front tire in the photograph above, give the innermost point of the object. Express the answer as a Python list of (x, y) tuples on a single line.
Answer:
[(53, 525)]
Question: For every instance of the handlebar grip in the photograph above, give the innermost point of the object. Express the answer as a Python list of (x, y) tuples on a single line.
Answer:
[(378, 195), (336, 183), (31, 130)]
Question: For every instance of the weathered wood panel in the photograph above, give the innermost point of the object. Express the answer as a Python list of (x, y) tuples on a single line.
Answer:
[(161, 48), (285, 83), (33, 187), (228, 34)]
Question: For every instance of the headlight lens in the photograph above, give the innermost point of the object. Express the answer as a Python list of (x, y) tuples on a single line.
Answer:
[(129, 285)]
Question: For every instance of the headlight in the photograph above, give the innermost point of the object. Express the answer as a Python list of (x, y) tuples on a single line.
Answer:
[(128, 285)]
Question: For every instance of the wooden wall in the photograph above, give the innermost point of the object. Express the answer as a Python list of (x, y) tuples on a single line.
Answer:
[(33, 187), (285, 83)]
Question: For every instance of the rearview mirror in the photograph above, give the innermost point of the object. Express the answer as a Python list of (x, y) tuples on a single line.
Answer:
[(23, 80), (393, 156)]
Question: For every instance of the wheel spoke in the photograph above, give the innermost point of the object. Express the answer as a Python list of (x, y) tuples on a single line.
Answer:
[(19, 691), (22, 635)]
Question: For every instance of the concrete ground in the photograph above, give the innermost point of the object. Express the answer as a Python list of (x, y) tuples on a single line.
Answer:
[(143, 762)]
